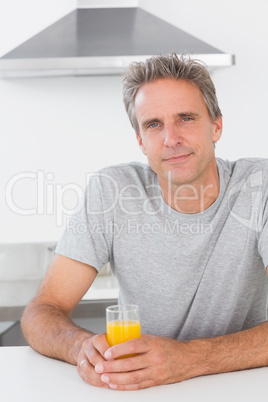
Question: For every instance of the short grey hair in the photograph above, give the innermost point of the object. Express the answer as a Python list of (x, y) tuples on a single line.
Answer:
[(168, 66)]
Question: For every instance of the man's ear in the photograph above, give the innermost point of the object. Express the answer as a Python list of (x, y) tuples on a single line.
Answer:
[(139, 139), (217, 129)]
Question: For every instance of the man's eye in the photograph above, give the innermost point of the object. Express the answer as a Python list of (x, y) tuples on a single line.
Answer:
[(187, 119), (153, 125)]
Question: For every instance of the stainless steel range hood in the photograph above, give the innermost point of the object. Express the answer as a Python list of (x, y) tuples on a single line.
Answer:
[(103, 41)]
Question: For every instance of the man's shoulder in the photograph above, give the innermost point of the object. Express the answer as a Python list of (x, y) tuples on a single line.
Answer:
[(243, 167)]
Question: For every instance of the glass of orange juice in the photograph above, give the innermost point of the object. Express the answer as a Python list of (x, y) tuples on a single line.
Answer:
[(122, 323)]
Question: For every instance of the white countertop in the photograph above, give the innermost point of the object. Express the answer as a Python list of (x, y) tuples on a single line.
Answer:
[(26, 376)]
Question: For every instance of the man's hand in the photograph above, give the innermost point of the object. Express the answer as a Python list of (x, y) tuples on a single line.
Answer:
[(158, 361), (92, 353)]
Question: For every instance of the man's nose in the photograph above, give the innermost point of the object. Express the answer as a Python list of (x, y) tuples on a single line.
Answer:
[(172, 136)]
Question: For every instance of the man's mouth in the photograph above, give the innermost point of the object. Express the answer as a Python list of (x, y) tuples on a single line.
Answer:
[(177, 158)]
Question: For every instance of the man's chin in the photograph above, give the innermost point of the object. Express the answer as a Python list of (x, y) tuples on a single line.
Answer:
[(175, 177)]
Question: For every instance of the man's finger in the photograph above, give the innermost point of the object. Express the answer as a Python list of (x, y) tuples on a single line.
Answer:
[(96, 348), (133, 387), (131, 379), (131, 347), (88, 374), (127, 364)]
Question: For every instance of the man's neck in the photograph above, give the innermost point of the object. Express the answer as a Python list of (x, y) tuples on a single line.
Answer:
[(192, 198)]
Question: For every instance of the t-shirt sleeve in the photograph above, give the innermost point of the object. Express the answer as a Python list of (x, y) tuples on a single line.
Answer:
[(84, 237)]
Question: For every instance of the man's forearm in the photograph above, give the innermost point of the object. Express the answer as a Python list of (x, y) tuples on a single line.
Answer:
[(49, 331), (239, 351)]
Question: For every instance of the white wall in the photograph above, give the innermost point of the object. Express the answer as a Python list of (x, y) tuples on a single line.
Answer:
[(66, 127)]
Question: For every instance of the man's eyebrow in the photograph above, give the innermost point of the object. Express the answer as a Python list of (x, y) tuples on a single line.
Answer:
[(187, 114), (149, 121)]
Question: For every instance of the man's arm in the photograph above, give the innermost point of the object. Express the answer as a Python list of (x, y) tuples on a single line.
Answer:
[(45, 322)]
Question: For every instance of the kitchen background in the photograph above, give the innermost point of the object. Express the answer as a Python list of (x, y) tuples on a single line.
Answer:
[(59, 129), (65, 127)]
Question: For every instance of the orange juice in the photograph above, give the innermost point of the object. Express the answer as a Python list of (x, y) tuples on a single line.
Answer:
[(119, 331)]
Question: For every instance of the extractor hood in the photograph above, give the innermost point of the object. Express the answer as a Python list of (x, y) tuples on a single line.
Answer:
[(91, 41)]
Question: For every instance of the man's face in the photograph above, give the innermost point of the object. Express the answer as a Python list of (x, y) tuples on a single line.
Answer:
[(176, 132)]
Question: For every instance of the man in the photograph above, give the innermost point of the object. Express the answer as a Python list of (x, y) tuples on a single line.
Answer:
[(186, 238)]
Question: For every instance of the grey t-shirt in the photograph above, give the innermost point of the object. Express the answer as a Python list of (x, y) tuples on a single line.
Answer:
[(192, 275)]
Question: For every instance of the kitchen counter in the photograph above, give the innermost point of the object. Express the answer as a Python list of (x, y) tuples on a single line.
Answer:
[(27, 376)]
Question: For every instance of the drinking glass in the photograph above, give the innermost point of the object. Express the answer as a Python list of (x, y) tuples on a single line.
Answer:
[(122, 323)]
